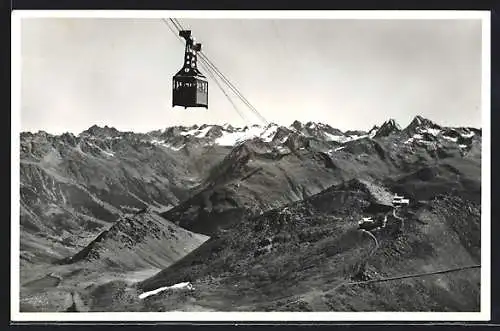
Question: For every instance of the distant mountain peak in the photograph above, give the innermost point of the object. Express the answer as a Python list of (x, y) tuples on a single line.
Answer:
[(311, 125), (271, 124), (393, 122), (418, 123), (388, 127), (422, 121), (96, 130), (419, 119), (228, 127), (297, 125)]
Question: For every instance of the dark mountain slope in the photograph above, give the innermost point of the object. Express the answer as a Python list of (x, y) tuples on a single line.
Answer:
[(138, 241), (305, 251), (243, 186), (133, 248), (250, 180), (256, 173), (388, 128), (74, 186)]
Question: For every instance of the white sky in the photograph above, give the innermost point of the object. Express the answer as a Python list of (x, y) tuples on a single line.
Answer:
[(351, 74)]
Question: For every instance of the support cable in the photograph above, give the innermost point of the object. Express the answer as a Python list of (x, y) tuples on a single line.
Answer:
[(178, 27), (212, 75), (204, 58)]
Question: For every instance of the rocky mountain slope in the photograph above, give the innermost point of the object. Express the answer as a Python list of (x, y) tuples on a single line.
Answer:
[(258, 175), (137, 245), (138, 241), (83, 201), (311, 256), (72, 187)]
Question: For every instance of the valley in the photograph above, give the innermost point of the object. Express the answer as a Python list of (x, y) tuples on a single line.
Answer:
[(255, 218)]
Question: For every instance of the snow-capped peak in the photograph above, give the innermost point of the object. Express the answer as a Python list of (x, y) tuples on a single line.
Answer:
[(232, 138), (311, 125), (199, 133), (297, 125), (373, 131), (389, 127), (418, 119)]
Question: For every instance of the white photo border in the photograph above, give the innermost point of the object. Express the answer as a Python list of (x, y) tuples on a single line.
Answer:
[(485, 307)]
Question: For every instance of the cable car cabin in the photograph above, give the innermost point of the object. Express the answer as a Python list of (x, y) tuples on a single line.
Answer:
[(190, 91), (189, 85)]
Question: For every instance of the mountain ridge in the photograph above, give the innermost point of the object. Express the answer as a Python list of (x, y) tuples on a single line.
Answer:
[(164, 167), (79, 192)]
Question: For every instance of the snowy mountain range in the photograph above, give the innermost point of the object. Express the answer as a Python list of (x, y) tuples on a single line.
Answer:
[(106, 203), (104, 139)]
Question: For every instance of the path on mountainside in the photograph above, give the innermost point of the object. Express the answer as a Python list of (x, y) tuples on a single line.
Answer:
[(371, 253), (374, 238), (311, 295), (366, 259), (285, 212), (399, 218), (385, 279)]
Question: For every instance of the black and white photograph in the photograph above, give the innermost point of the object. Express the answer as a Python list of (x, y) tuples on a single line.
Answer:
[(265, 165)]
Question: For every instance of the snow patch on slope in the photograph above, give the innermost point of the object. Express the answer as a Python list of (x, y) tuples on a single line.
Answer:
[(163, 144), (255, 131), (184, 285), (450, 138), (111, 154), (332, 137), (268, 134), (232, 138), (434, 132)]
